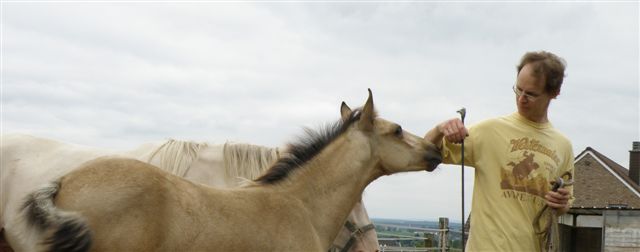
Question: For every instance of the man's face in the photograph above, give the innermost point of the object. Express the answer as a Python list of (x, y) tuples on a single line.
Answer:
[(531, 99)]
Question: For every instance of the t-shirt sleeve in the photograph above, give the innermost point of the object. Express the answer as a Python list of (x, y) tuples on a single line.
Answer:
[(452, 152)]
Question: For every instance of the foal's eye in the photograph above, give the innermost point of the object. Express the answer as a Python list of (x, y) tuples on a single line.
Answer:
[(398, 131)]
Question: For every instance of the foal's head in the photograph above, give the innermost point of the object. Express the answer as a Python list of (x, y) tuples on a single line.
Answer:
[(395, 149), (372, 138)]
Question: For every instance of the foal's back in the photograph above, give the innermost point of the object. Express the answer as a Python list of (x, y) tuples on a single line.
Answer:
[(130, 205), (133, 206)]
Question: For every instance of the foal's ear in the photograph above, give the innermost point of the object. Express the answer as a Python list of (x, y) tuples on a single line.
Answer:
[(368, 114), (345, 111)]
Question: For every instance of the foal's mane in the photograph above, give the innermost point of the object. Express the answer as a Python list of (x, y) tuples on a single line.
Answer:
[(305, 148)]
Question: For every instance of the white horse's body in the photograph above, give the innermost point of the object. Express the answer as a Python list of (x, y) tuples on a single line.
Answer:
[(29, 162)]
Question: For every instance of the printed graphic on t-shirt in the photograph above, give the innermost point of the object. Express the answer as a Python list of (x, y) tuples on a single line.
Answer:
[(529, 167)]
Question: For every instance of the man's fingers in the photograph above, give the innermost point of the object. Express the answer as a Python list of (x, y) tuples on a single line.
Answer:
[(556, 200), (555, 205), (563, 191), (555, 196), (559, 194), (454, 130)]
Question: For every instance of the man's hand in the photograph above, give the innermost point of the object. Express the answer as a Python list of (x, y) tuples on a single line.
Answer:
[(453, 130), (558, 200)]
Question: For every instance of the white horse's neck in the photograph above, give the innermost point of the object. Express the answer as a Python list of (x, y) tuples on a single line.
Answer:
[(331, 183)]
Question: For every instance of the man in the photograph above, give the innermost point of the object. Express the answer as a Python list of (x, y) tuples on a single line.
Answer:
[(516, 157)]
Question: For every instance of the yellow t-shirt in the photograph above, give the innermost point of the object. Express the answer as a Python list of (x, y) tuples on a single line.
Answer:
[(515, 161)]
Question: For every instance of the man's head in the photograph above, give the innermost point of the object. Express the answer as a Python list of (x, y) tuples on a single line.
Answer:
[(547, 66), (540, 76)]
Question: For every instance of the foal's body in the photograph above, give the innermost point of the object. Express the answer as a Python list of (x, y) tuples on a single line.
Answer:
[(151, 215), (298, 205), (29, 162)]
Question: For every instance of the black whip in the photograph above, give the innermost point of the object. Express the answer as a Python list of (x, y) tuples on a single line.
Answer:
[(463, 113)]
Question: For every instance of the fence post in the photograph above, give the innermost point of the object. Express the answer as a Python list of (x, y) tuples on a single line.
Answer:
[(444, 234)]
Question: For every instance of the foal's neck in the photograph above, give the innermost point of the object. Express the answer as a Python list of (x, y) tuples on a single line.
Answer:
[(333, 181)]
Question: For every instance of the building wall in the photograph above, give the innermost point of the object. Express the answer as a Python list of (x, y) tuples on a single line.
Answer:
[(621, 231), (566, 219), (582, 220), (594, 221)]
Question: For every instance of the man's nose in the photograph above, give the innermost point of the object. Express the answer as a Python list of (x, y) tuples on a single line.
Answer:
[(522, 99)]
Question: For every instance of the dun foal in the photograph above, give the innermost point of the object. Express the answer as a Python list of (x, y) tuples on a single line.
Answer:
[(299, 204), (28, 162)]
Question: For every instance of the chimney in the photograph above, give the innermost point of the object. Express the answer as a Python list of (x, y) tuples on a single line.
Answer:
[(634, 163)]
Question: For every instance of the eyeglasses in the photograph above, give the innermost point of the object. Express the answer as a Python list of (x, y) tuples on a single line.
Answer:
[(528, 96)]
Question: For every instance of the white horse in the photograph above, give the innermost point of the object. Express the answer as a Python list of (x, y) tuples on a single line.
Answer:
[(28, 162), (300, 204)]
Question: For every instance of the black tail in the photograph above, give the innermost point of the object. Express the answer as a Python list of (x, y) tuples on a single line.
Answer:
[(65, 231)]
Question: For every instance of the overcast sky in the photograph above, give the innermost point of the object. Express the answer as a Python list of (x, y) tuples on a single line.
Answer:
[(117, 75)]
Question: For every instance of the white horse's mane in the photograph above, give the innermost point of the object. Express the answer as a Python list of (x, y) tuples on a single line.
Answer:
[(245, 161), (176, 156), (253, 159)]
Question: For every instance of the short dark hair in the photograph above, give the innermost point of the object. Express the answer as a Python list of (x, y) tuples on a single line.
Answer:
[(545, 65)]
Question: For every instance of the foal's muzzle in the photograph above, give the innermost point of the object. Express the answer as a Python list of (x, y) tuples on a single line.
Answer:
[(433, 161), (432, 157)]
